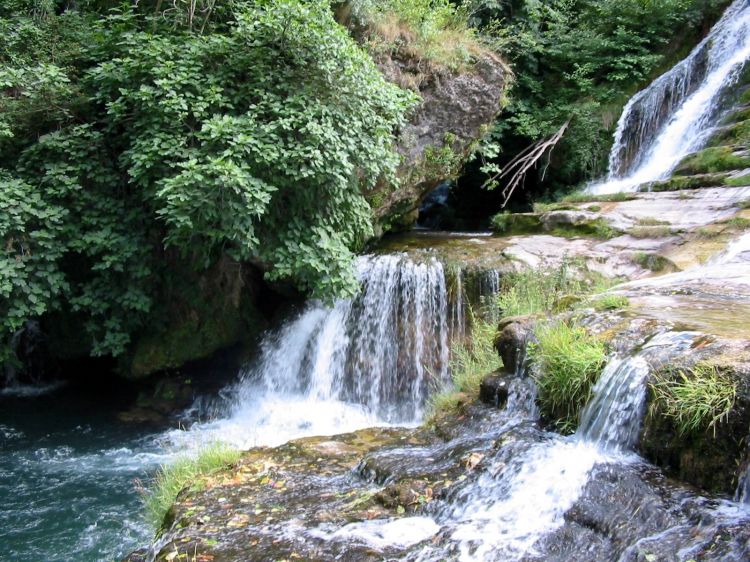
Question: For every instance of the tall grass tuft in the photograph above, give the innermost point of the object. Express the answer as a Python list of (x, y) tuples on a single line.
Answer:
[(183, 473), (696, 398), (569, 362), (470, 362), (543, 290)]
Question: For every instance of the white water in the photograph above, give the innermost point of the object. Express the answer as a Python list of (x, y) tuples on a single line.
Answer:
[(360, 363), (673, 116), (519, 500)]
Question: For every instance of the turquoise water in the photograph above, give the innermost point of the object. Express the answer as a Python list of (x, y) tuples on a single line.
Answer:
[(69, 476)]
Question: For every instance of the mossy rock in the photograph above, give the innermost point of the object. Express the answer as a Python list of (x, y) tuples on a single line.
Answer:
[(705, 459), (712, 160), (654, 262), (679, 183), (220, 311), (511, 224), (736, 134)]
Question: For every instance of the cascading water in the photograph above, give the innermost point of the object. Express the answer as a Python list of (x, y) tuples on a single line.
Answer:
[(526, 489), (360, 363), (673, 116)]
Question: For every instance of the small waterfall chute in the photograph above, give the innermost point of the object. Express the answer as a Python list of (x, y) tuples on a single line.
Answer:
[(673, 116)]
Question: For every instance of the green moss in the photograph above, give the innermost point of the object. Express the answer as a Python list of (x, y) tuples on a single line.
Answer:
[(711, 160), (597, 228), (735, 134), (653, 262), (516, 223), (569, 362), (547, 207), (592, 198), (678, 183), (651, 221), (739, 181)]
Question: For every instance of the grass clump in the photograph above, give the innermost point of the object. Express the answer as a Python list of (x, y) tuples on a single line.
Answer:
[(641, 232), (569, 362), (610, 302), (746, 203), (433, 31), (696, 398), (535, 291), (651, 221), (183, 473), (470, 362), (547, 289), (581, 197)]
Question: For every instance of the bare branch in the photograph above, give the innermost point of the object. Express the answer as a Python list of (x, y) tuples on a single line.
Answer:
[(528, 158)]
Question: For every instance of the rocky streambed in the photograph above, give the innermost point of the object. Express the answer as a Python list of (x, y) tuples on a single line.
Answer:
[(492, 482)]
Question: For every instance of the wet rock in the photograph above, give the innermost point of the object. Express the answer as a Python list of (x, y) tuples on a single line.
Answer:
[(511, 340), (456, 108), (494, 390), (629, 512)]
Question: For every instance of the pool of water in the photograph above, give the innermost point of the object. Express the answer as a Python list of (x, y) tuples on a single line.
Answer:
[(69, 478)]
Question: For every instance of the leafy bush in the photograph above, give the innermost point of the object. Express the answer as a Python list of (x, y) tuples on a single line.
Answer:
[(569, 362), (185, 472), (696, 398), (253, 137)]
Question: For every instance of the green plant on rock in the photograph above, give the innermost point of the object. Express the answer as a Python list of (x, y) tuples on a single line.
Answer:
[(185, 472), (568, 363), (434, 31), (545, 290), (470, 362), (695, 398), (652, 262), (610, 302)]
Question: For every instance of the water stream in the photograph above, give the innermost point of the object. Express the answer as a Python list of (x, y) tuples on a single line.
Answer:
[(674, 115)]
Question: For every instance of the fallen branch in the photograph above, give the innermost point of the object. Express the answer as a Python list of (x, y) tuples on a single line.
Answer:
[(524, 161)]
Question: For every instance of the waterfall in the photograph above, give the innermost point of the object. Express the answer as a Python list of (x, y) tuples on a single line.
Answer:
[(362, 362), (523, 494), (672, 117), (613, 416)]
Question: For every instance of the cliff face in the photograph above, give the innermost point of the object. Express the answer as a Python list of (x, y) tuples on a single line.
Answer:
[(456, 109)]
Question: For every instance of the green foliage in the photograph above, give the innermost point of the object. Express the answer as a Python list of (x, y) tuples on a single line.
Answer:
[(546, 290), (435, 31), (696, 398), (568, 362), (252, 136), (470, 362), (185, 472)]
